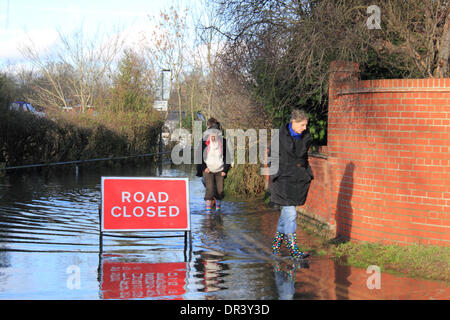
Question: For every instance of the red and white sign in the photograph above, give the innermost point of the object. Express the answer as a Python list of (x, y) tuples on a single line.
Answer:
[(145, 204)]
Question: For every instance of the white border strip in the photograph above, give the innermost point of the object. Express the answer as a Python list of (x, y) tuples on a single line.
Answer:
[(188, 208)]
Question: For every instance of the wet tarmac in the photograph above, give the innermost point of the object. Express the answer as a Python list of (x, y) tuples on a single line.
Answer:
[(50, 249)]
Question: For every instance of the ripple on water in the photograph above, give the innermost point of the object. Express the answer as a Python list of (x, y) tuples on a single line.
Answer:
[(48, 224)]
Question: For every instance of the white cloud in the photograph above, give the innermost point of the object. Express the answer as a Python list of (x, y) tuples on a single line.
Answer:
[(139, 36), (200, 54), (104, 12), (12, 40)]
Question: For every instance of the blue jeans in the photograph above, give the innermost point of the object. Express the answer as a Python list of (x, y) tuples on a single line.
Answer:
[(288, 220), (285, 286)]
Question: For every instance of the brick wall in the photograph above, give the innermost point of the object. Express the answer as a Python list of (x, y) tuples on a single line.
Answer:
[(387, 172)]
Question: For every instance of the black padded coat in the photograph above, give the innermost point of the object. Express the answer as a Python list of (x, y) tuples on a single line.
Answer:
[(290, 184)]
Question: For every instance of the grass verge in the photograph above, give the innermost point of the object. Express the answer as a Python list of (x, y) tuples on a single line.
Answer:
[(415, 260)]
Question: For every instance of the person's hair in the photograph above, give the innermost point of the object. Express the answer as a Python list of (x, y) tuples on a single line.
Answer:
[(211, 122), (298, 115)]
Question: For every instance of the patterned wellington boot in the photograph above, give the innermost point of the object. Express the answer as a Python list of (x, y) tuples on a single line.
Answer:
[(291, 244), (218, 205), (276, 243), (208, 206)]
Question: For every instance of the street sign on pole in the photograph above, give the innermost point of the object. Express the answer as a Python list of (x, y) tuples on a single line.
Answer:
[(163, 86), (160, 105), (166, 80)]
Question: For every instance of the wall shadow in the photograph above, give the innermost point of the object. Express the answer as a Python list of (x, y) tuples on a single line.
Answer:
[(344, 220), (344, 210)]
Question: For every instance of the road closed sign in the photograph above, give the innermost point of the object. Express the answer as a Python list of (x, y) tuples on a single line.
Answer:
[(145, 204)]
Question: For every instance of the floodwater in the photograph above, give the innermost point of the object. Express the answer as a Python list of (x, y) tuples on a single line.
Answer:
[(50, 249)]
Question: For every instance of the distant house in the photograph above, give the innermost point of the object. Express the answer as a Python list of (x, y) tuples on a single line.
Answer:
[(173, 119), (77, 109), (173, 122)]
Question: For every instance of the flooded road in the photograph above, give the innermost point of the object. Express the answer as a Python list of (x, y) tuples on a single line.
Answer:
[(49, 249)]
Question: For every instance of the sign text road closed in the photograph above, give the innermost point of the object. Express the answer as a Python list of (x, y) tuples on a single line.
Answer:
[(145, 204)]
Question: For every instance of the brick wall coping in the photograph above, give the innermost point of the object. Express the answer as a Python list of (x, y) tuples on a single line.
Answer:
[(390, 90), (393, 86)]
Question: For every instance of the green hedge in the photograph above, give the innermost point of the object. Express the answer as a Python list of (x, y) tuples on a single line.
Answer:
[(28, 139)]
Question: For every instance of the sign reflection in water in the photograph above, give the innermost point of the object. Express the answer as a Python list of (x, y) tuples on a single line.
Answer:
[(137, 280)]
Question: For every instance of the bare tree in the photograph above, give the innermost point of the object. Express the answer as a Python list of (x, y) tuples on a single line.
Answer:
[(71, 72), (210, 43), (418, 32), (282, 49), (170, 46), (442, 64)]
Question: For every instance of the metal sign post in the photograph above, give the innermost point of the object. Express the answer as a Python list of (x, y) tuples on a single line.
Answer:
[(144, 204), (161, 104)]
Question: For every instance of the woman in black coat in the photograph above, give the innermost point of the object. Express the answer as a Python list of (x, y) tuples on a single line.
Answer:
[(290, 184)]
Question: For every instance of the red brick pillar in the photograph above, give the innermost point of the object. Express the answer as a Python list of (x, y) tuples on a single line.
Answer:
[(343, 76)]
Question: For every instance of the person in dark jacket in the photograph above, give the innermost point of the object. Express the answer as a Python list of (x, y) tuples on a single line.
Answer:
[(214, 166), (290, 184)]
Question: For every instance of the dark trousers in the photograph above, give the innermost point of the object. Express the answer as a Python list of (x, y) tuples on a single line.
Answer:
[(211, 180)]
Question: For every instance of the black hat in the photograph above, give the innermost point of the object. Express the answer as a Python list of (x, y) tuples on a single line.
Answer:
[(215, 126)]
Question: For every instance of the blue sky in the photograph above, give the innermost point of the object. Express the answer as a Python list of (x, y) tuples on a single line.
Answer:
[(41, 20)]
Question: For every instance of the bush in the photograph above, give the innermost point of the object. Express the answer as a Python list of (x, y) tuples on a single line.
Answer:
[(27, 139), (245, 180)]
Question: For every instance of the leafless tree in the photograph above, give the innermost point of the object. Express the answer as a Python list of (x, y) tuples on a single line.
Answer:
[(210, 44), (418, 32), (71, 71), (288, 45), (170, 46)]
